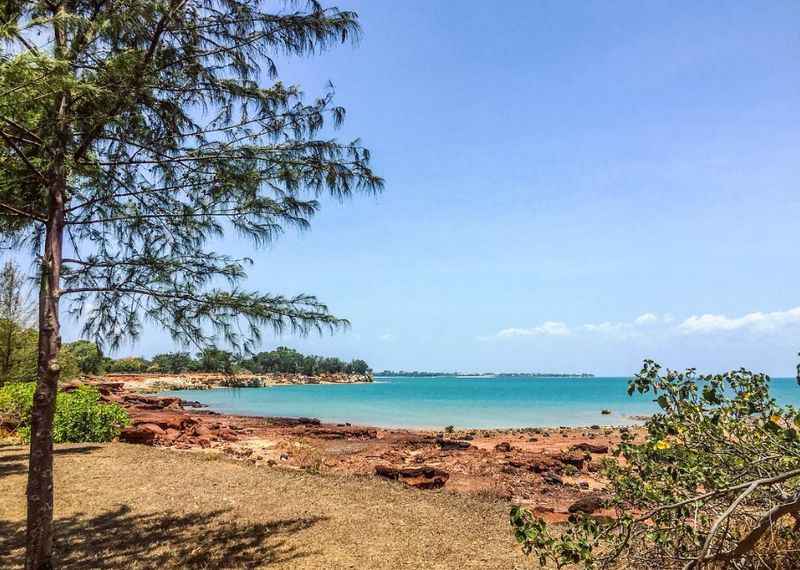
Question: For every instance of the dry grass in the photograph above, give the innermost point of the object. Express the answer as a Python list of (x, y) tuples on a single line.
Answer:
[(126, 506)]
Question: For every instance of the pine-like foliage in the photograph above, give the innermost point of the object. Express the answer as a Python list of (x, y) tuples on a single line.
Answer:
[(171, 128)]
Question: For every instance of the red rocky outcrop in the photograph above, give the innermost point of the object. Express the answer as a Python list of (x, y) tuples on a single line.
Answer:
[(576, 459), (417, 477), (590, 447), (587, 504)]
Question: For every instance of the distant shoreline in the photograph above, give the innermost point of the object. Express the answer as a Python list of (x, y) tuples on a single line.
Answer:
[(156, 382), (405, 374)]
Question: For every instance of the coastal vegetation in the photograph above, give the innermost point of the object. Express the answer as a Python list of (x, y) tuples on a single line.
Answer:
[(211, 359), (715, 483), (130, 136), (80, 415)]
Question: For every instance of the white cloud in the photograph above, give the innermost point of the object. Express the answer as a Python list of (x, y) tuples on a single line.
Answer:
[(755, 322), (662, 325), (386, 337), (607, 327), (646, 319), (616, 330), (548, 328)]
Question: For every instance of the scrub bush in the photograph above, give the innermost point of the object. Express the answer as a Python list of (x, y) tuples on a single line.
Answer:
[(80, 415), (715, 484)]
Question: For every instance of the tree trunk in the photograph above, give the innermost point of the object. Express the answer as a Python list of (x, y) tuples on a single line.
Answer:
[(39, 537), (39, 533)]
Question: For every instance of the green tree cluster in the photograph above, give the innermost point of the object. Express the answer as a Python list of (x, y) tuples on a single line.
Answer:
[(75, 359), (212, 359), (288, 360), (16, 316), (133, 364)]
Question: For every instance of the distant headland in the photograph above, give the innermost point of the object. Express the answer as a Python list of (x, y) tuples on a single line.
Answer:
[(427, 374)]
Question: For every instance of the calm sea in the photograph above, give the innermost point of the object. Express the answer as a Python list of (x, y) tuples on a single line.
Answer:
[(487, 402)]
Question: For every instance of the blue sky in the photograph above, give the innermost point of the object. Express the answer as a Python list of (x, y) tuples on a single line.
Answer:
[(554, 172)]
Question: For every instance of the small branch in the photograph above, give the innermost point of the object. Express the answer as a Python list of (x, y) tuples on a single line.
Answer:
[(758, 482), (749, 541), (715, 527), (23, 213), (17, 126), (218, 214), (22, 155)]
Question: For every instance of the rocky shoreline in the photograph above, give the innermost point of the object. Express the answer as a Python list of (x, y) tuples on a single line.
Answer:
[(555, 471), (148, 383)]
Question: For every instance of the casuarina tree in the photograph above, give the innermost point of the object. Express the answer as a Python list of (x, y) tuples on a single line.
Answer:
[(132, 132)]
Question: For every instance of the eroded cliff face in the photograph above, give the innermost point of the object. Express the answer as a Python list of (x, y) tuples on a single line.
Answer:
[(156, 382)]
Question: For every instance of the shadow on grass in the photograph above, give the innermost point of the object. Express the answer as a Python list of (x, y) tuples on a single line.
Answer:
[(121, 539), (18, 463)]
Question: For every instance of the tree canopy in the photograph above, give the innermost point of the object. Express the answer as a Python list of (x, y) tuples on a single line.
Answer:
[(175, 129), (132, 133)]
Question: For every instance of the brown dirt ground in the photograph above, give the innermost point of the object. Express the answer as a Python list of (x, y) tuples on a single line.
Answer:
[(133, 506)]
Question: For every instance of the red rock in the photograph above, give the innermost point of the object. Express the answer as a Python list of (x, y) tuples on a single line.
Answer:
[(575, 459), (447, 444), (591, 448), (164, 420), (544, 465), (587, 504), (171, 435), (343, 433), (417, 477), (552, 478), (152, 402), (137, 434), (228, 435), (155, 428), (504, 447), (109, 388)]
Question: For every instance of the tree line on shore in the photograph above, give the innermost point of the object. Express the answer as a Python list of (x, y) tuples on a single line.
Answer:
[(281, 360)]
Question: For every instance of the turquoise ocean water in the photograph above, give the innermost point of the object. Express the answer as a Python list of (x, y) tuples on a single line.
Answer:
[(486, 402)]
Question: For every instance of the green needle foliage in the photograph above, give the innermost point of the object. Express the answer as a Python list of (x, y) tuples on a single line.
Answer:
[(132, 133), (176, 130), (715, 484)]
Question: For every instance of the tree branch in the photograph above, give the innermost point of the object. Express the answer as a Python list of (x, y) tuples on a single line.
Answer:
[(758, 482), (23, 213), (22, 155), (751, 539)]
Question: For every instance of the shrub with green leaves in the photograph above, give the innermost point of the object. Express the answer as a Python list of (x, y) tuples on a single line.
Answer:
[(16, 401), (80, 415), (715, 484)]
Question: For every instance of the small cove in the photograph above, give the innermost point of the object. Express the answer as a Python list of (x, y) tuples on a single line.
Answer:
[(484, 402)]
